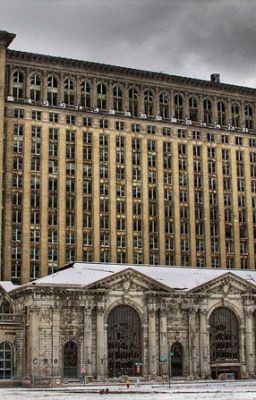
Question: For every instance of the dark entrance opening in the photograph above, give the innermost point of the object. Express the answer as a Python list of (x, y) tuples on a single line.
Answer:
[(70, 360), (124, 341), (176, 359), (224, 343)]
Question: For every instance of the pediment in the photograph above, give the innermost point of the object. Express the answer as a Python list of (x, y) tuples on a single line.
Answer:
[(227, 284), (128, 281)]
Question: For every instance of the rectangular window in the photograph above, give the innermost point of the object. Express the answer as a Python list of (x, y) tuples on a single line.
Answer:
[(135, 127), (119, 125), (210, 137), (19, 113), (71, 119), (36, 115), (166, 131), (103, 123), (87, 121), (53, 117)]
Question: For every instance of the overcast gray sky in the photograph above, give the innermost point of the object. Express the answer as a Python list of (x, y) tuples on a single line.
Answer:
[(191, 38)]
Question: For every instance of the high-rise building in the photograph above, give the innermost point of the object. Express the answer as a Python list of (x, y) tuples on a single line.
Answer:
[(104, 163)]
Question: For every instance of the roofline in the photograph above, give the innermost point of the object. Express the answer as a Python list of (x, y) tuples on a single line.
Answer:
[(100, 67), (221, 277)]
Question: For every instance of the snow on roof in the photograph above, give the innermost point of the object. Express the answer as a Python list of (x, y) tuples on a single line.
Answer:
[(84, 274), (7, 285)]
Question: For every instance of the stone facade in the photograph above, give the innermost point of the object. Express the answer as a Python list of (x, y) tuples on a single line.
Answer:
[(109, 164), (43, 318)]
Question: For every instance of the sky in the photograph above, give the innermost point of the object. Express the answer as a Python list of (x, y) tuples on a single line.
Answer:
[(192, 38)]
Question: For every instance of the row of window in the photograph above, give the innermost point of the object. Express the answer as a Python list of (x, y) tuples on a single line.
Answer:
[(82, 95)]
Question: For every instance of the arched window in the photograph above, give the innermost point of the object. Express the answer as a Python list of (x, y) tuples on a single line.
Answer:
[(52, 91), (70, 359), (148, 102), (69, 92), (164, 104), (235, 115), (176, 359), (248, 116), (178, 106), (18, 85), (193, 112), (221, 116), (224, 336), (35, 87), (124, 341), (5, 307), (133, 101), (5, 360), (102, 96), (117, 98), (86, 94), (207, 104)]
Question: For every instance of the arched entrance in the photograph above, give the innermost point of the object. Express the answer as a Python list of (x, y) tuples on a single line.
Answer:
[(5, 361), (124, 341), (176, 359), (224, 342), (70, 360)]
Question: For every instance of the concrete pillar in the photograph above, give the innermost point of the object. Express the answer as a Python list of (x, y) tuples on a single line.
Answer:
[(44, 201), (152, 339), (243, 352), (100, 342), (79, 195), (62, 196), (112, 195)]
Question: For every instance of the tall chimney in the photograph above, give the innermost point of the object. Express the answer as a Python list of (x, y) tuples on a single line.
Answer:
[(215, 78)]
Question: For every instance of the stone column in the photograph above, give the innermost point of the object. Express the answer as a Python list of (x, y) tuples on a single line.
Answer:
[(249, 350), (100, 342), (203, 345), (88, 339), (56, 370), (34, 348), (152, 338), (242, 352), (126, 97), (192, 341), (163, 336)]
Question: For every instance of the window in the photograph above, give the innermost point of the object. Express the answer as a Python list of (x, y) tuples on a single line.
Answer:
[(164, 104), (151, 129), (69, 91), (119, 125), (182, 133), (35, 87), (135, 127), (210, 137), (166, 131), (239, 140), (133, 101), (178, 106), (248, 110), (235, 115), (207, 105), (87, 121), (148, 102), (102, 96), (18, 113), (221, 113), (193, 112), (117, 98), (196, 135), (5, 360), (71, 119), (225, 139), (52, 91), (53, 117), (85, 89), (103, 123), (18, 85)]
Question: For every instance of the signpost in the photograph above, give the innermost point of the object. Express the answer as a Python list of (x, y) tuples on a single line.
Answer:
[(164, 358)]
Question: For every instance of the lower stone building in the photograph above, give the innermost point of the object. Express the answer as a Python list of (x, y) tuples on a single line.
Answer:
[(109, 320)]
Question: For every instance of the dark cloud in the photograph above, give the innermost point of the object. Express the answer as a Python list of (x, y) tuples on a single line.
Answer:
[(182, 37)]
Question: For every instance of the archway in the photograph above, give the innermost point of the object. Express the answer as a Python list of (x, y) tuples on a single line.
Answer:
[(176, 359), (224, 342), (124, 341), (70, 360), (5, 361)]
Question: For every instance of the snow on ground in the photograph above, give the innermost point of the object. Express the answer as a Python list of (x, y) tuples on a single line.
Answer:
[(243, 390)]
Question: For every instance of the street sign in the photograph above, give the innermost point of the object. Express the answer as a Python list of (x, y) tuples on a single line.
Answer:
[(163, 358)]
